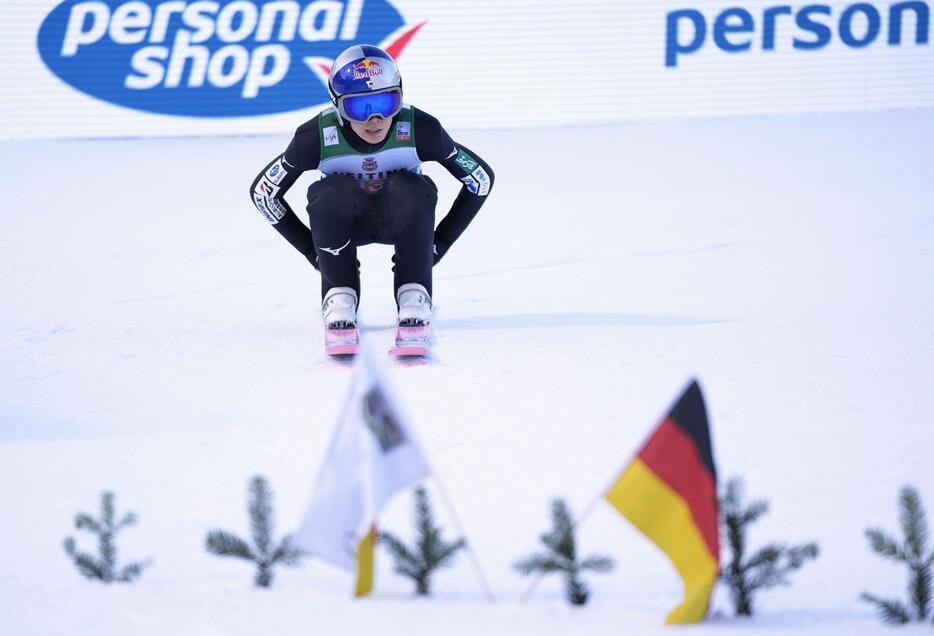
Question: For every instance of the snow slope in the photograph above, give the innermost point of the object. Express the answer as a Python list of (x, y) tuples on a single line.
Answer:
[(159, 340)]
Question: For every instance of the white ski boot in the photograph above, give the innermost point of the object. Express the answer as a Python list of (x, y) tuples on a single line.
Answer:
[(413, 332), (414, 305), (339, 308), (339, 312)]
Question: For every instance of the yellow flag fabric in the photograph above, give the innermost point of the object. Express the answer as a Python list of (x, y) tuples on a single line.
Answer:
[(669, 492), (366, 559), (664, 517)]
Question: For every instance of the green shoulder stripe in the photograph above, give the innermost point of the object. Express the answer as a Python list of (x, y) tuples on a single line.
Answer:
[(333, 143), (404, 132), (332, 139)]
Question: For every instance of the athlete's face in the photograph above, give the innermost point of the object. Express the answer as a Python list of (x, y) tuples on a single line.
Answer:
[(372, 131)]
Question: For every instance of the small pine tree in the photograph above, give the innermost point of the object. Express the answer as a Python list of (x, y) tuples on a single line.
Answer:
[(430, 552), (262, 553), (911, 553), (767, 567), (562, 556), (105, 567)]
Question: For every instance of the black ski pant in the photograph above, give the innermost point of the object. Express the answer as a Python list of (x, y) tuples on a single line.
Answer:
[(343, 217)]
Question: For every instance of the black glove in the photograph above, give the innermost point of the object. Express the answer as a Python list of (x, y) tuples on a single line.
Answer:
[(440, 249), (312, 257), (436, 252)]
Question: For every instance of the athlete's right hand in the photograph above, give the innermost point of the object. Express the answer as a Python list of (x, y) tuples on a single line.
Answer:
[(313, 259)]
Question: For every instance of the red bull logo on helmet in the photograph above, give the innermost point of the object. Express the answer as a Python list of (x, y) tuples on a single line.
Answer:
[(367, 69), (226, 58)]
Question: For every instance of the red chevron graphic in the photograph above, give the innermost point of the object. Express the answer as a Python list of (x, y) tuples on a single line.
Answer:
[(394, 48)]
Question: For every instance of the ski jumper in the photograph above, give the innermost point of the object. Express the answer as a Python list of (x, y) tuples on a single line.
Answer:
[(372, 193)]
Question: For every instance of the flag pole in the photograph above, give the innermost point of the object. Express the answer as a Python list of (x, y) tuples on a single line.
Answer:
[(587, 512), (474, 562)]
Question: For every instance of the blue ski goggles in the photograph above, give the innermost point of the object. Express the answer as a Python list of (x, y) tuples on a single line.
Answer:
[(362, 106)]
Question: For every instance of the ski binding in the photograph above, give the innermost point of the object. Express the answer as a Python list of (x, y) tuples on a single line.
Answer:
[(412, 341), (341, 342)]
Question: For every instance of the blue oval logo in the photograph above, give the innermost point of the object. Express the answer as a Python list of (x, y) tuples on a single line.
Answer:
[(211, 58)]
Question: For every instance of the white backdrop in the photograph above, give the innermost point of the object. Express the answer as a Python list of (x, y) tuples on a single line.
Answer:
[(490, 64)]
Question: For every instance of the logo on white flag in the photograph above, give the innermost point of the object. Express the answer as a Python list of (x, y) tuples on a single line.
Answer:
[(381, 420)]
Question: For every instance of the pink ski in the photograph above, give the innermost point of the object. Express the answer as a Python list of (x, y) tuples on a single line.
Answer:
[(341, 342), (412, 341)]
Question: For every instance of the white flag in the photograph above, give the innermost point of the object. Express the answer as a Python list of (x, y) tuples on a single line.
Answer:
[(374, 455)]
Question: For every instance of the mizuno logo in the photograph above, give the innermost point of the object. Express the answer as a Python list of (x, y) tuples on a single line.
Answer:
[(453, 152), (336, 251)]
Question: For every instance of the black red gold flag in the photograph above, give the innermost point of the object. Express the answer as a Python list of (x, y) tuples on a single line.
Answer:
[(669, 492)]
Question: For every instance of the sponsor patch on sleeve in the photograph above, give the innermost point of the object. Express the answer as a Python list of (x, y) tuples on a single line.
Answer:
[(277, 172), (465, 161), (266, 188), (471, 184), (276, 207), (483, 181), (330, 136), (260, 203)]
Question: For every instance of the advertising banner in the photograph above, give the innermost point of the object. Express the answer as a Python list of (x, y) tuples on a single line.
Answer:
[(105, 68)]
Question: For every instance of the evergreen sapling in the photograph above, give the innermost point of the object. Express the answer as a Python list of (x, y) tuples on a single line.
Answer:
[(430, 552), (104, 568), (262, 552), (768, 566), (562, 556), (912, 553)]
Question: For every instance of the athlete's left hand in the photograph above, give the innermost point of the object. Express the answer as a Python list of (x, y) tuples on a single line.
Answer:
[(439, 250)]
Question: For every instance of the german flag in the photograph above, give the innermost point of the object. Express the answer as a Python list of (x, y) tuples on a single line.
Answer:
[(669, 492)]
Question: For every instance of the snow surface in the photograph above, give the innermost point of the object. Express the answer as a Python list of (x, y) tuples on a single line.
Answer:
[(161, 341)]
